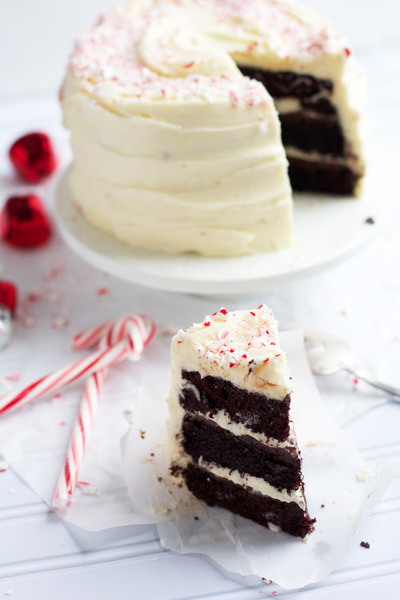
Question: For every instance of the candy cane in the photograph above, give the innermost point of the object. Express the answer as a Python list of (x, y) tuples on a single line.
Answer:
[(97, 361), (137, 331)]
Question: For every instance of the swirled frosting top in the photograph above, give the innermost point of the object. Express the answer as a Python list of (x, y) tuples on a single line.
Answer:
[(242, 346), (179, 50)]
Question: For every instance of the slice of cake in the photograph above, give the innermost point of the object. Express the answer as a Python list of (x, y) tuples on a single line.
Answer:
[(232, 441)]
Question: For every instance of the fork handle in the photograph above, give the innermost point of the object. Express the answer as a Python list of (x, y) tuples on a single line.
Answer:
[(389, 389)]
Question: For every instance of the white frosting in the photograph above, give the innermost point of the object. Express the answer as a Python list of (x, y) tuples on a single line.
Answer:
[(256, 483), (174, 149), (241, 346), (222, 419)]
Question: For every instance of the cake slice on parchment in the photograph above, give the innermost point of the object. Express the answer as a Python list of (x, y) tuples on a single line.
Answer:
[(232, 441)]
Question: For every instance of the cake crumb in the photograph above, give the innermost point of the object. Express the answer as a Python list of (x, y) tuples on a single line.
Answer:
[(364, 544), (322, 505), (364, 474), (370, 221), (142, 433)]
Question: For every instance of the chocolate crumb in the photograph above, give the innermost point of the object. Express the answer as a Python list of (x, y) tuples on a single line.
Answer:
[(142, 434), (370, 221), (364, 544), (196, 518), (175, 470), (322, 505), (151, 453)]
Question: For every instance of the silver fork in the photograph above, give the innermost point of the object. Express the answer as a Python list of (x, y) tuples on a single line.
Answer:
[(327, 355)]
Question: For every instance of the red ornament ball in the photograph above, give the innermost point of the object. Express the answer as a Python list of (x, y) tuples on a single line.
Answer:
[(33, 157), (24, 222), (8, 295)]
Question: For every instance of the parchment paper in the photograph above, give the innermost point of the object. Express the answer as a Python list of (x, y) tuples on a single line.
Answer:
[(34, 439), (341, 489)]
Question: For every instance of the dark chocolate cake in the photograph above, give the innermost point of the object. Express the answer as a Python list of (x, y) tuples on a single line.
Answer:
[(320, 158), (233, 443)]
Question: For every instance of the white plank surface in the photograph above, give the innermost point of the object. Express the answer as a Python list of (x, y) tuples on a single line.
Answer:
[(43, 559)]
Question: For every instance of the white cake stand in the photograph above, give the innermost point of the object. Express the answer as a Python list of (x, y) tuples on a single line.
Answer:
[(328, 230)]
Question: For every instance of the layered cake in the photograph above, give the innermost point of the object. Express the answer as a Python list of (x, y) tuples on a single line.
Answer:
[(173, 112), (232, 441)]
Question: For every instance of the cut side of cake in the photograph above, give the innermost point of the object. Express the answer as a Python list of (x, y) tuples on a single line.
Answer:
[(320, 157), (231, 438)]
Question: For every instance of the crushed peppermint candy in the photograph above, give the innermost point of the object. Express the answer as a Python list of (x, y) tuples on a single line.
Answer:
[(87, 488), (103, 291), (251, 341), (106, 67), (59, 322)]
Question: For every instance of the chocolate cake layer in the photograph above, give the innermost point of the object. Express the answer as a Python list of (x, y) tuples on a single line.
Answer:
[(319, 105), (323, 135), (255, 411), (203, 438), (321, 177), (216, 491), (286, 84)]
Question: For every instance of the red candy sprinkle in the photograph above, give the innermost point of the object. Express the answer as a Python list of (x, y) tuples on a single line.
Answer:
[(347, 52), (24, 222), (223, 311), (33, 157), (207, 324), (8, 295), (102, 292)]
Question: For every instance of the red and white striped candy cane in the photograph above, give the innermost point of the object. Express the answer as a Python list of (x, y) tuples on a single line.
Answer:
[(135, 331), (86, 366)]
